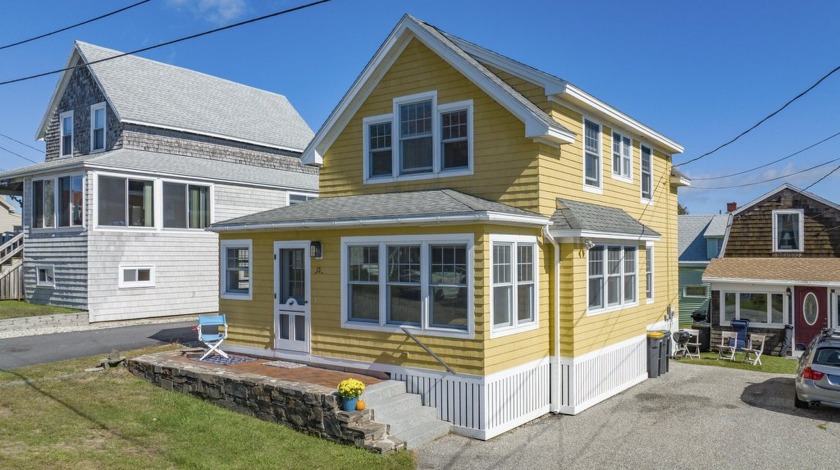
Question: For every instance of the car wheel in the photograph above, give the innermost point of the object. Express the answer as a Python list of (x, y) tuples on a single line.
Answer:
[(799, 403)]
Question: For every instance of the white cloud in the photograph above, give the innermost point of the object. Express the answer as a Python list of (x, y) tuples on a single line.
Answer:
[(213, 11)]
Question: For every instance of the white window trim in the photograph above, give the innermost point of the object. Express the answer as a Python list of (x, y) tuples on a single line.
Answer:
[(437, 157), (649, 247), (93, 109), (685, 290), (786, 314), (424, 241), (586, 186), (240, 244), (515, 240), (801, 213), (49, 268), (644, 200), (621, 305), (61, 133), (620, 176), (289, 195), (159, 203), (122, 284), (56, 200)]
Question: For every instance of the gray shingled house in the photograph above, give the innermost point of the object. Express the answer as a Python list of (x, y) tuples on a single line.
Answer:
[(141, 157), (700, 238)]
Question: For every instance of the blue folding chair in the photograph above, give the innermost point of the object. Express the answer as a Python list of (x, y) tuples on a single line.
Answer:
[(212, 330)]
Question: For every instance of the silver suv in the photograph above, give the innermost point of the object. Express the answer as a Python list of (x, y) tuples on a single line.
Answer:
[(818, 375)]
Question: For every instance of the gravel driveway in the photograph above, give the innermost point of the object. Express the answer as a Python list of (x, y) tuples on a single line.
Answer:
[(693, 417)]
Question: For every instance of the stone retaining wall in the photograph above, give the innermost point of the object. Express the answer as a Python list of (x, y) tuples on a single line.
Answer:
[(61, 320), (312, 409)]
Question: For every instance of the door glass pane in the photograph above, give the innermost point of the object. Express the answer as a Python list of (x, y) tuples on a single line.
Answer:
[(810, 309), (300, 328), (284, 326), (292, 275)]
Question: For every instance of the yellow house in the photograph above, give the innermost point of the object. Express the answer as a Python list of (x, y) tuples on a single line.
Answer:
[(492, 235)]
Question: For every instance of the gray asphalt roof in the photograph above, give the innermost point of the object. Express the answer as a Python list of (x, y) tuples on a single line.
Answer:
[(692, 231), (155, 93), (576, 215), (717, 227), (295, 176), (414, 204)]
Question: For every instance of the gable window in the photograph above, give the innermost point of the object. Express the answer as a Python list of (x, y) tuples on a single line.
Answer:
[(612, 277), (405, 281), (647, 173), (622, 156), (236, 269), (420, 139), (134, 276), (649, 272), (592, 154), (788, 230), (125, 202), (514, 279), (185, 205), (61, 208), (97, 127), (65, 123), (45, 276)]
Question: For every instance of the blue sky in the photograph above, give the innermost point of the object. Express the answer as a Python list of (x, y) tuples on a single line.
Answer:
[(699, 72)]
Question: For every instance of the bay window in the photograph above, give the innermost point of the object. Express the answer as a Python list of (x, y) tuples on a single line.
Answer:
[(185, 205), (398, 281), (125, 202), (611, 277)]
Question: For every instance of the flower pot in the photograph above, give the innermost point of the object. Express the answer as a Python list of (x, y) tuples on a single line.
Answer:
[(348, 404)]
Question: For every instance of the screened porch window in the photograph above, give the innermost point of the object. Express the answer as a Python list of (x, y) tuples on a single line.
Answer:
[(125, 202), (186, 205)]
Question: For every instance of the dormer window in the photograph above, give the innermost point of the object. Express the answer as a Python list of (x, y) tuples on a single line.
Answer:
[(419, 140), (97, 127), (66, 127), (788, 231)]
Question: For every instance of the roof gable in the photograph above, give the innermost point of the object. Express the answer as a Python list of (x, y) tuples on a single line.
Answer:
[(538, 125), (781, 188), (150, 93)]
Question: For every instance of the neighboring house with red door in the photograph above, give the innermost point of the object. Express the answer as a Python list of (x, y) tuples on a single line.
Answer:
[(779, 264)]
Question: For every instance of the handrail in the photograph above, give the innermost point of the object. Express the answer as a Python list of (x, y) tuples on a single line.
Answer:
[(426, 348), (11, 248)]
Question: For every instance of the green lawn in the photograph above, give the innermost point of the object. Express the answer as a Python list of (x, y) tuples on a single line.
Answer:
[(17, 309), (58, 416), (772, 364)]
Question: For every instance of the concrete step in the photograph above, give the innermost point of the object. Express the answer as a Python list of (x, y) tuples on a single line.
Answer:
[(423, 433), (374, 393), (395, 406), (410, 418)]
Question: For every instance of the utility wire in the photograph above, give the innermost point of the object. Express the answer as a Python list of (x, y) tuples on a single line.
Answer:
[(18, 155), (21, 143), (174, 41), (73, 26), (773, 179), (824, 177), (800, 95), (767, 164)]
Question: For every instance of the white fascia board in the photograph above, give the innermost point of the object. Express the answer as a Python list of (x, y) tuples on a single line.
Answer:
[(57, 92), (571, 236), (768, 282), (502, 219)]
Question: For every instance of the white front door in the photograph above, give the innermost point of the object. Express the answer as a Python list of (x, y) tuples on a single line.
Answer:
[(291, 294)]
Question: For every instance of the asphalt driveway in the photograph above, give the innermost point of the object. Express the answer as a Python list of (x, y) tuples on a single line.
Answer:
[(694, 417)]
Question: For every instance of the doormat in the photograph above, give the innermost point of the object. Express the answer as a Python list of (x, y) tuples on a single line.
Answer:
[(284, 364), (222, 361)]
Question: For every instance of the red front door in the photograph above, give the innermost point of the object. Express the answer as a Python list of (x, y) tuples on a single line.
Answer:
[(810, 313)]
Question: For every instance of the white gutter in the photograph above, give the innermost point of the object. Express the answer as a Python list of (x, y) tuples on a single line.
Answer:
[(479, 217), (554, 394)]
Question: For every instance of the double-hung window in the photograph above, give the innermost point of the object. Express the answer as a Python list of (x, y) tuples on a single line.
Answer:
[(622, 156), (63, 207), (420, 139), (65, 125), (592, 154), (97, 127), (406, 281), (649, 273), (788, 230), (514, 280), (647, 172), (236, 269), (185, 205), (125, 202), (612, 277)]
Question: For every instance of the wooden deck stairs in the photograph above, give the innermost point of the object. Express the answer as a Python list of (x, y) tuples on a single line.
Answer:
[(11, 269)]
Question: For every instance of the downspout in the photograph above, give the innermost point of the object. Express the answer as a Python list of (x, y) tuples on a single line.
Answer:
[(554, 394)]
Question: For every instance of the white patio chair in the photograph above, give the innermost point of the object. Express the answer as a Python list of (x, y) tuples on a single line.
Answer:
[(212, 330), (754, 348), (692, 347), (728, 345)]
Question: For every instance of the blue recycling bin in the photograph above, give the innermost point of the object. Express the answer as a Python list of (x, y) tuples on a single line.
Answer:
[(740, 327)]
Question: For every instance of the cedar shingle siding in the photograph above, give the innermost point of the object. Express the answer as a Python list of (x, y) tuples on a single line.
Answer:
[(751, 234)]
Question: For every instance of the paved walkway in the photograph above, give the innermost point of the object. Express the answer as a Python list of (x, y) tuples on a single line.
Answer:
[(695, 417)]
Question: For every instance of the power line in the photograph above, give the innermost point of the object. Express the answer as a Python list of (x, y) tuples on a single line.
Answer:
[(824, 177), (168, 43), (772, 179), (767, 164), (21, 143), (73, 26), (800, 95), (18, 155)]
